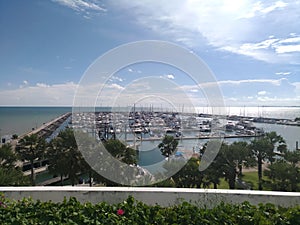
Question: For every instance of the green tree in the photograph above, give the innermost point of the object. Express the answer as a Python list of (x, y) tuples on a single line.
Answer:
[(12, 177), (213, 173), (168, 146), (278, 144), (188, 176), (228, 164), (31, 148), (284, 173), (244, 156), (9, 173), (120, 151), (64, 157), (57, 158), (7, 158), (228, 159), (263, 149)]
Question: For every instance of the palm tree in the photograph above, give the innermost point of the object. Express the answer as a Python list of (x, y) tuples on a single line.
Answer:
[(244, 156), (56, 158), (263, 149), (31, 148), (64, 157), (284, 173), (9, 173), (7, 158)]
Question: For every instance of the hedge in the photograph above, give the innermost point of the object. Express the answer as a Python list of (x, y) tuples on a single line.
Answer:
[(71, 211)]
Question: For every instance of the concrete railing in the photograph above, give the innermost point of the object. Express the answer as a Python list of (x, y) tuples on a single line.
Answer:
[(152, 196)]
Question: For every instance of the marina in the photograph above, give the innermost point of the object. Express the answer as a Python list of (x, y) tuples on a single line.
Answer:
[(144, 130), (152, 126), (149, 126)]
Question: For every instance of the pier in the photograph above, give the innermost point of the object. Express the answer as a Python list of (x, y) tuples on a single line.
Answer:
[(48, 128)]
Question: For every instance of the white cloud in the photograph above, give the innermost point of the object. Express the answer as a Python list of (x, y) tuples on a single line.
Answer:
[(262, 93), (115, 86), (83, 6), (258, 8), (170, 76), (80, 5), (43, 85), (130, 70), (113, 78), (167, 76), (252, 91), (24, 84), (288, 48), (252, 81), (234, 26), (40, 94), (238, 92), (297, 85), (269, 50), (235, 83), (283, 73)]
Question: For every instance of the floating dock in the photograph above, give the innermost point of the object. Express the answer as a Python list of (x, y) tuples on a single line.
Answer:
[(195, 137)]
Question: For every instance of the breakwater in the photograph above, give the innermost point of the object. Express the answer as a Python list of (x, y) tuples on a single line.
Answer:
[(266, 120), (48, 128)]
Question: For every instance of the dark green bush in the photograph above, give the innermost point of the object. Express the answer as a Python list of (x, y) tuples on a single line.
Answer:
[(133, 212)]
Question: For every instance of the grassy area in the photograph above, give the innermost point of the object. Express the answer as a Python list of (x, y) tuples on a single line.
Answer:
[(223, 184), (249, 177), (252, 178)]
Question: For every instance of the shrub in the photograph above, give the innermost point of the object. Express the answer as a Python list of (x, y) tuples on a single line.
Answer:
[(71, 211)]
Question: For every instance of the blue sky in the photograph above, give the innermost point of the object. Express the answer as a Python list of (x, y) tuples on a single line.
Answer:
[(252, 47)]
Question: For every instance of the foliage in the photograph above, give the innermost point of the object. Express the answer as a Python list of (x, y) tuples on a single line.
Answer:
[(9, 173), (31, 148), (12, 177), (7, 157), (189, 175), (284, 173), (133, 212), (168, 145), (64, 157), (263, 150), (14, 136), (119, 150), (228, 164)]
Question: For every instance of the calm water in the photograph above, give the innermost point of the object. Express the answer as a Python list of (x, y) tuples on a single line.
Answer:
[(20, 120)]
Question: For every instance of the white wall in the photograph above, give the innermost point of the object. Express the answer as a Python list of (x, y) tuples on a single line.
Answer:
[(161, 196)]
